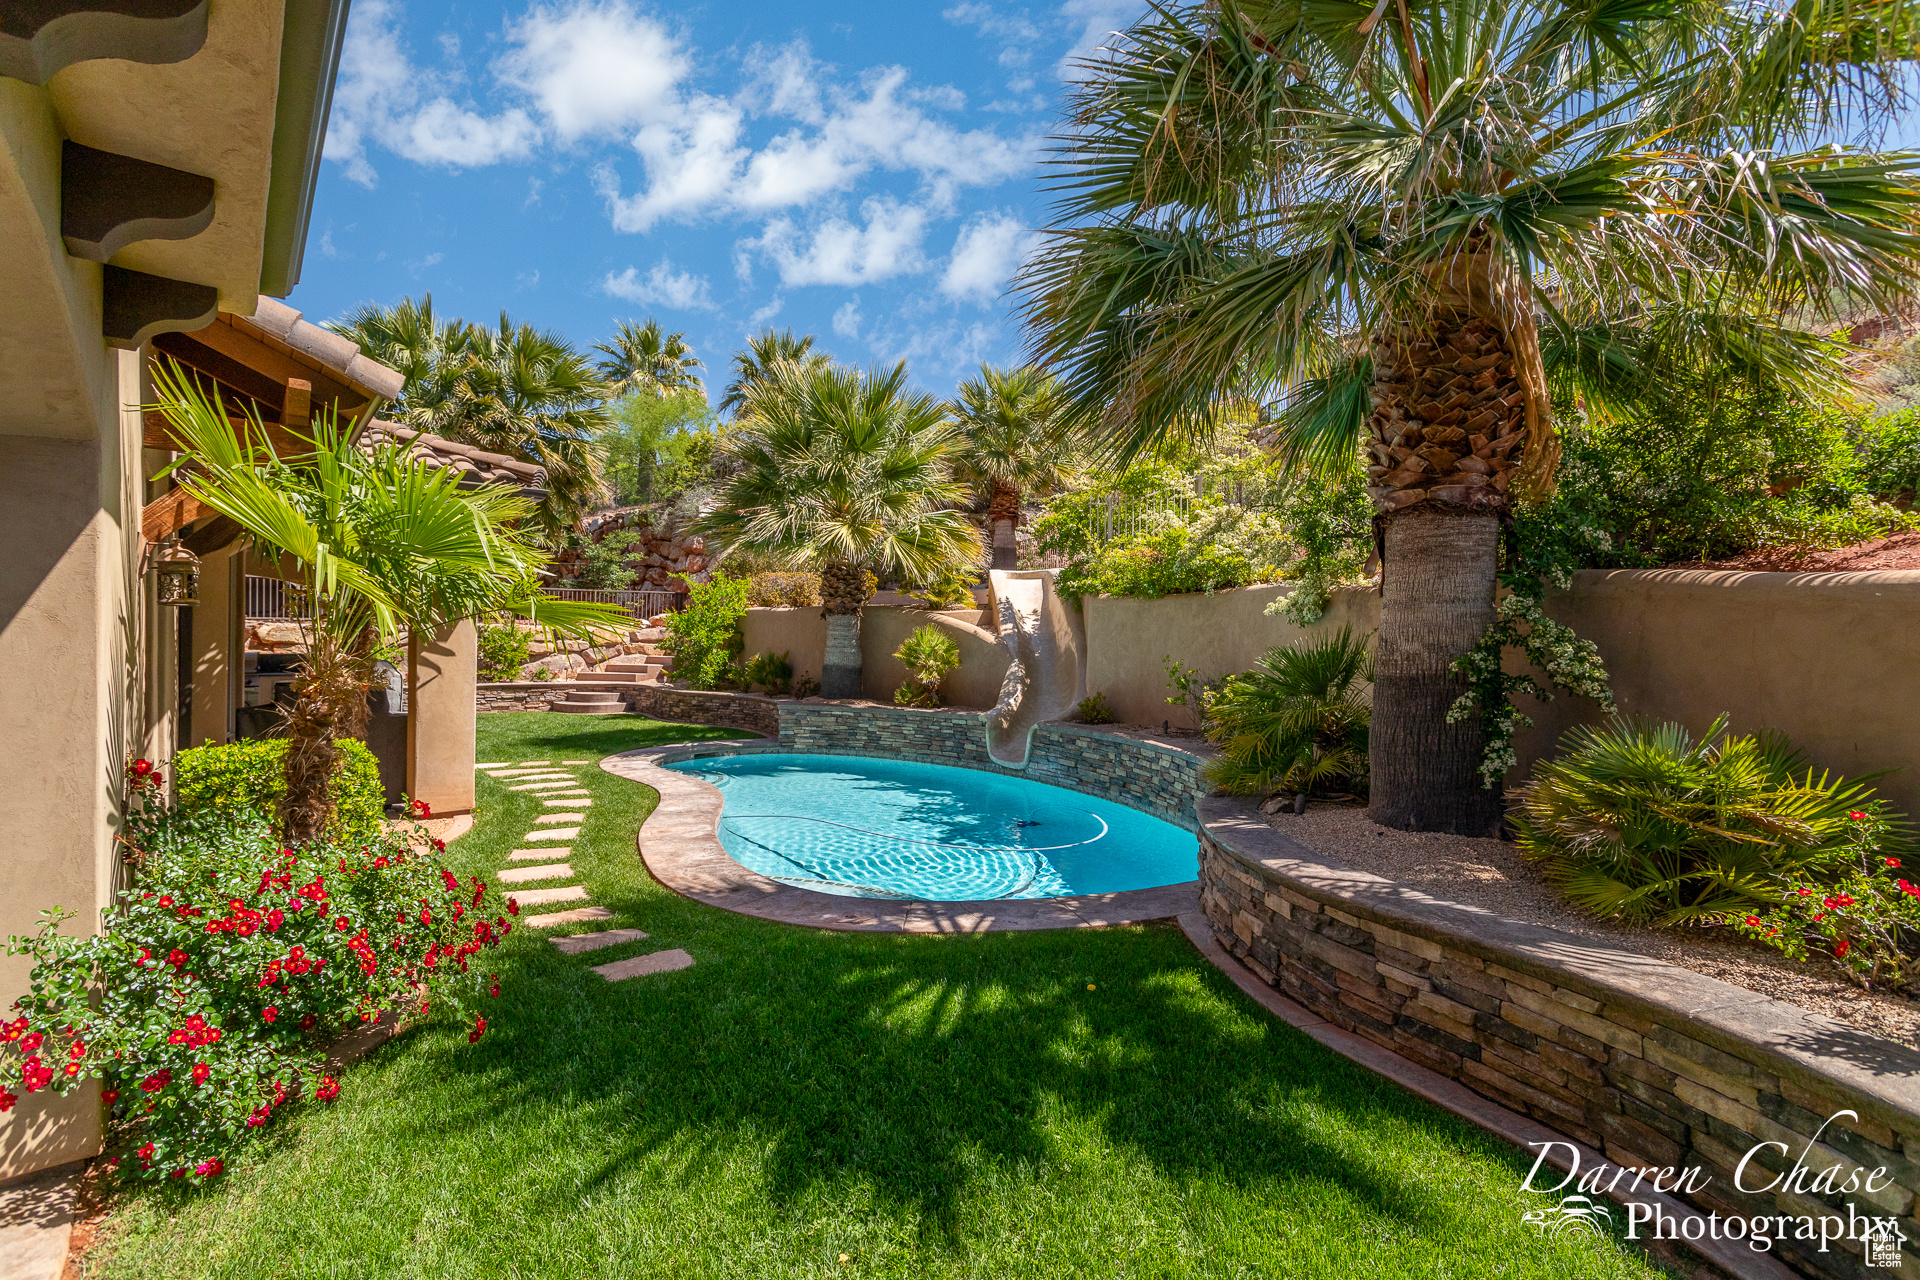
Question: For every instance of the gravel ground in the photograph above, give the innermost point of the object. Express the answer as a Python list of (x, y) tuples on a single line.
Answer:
[(1492, 874)]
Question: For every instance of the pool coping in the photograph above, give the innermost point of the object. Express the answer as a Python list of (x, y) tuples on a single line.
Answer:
[(679, 844)]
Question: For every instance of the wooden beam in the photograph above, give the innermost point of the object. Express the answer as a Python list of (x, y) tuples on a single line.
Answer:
[(297, 409), (243, 348), (169, 513), (212, 536), (248, 381), (157, 433)]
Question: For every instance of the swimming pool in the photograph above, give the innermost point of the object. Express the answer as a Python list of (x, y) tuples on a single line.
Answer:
[(868, 828)]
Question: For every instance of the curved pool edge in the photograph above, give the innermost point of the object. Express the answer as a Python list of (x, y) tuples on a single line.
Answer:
[(679, 844)]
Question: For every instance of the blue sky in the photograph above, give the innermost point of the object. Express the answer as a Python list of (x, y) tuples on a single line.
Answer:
[(862, 171)]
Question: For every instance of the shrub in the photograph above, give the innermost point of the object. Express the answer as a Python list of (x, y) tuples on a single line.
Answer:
[(503, 651), (251, 775), (1868, 921), (1889, 448), (609, 561), (783, 590), (541, 674), (1225, 547), (1640, 821), (1094, 709), (1297, 722), (929, 653), (704, 636), (771, 671), (205, 1001), (806, 687), (951, 590)]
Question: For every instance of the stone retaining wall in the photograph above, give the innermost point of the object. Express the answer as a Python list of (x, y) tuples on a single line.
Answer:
[(1652, 1064), (518, 697), (696, 706)]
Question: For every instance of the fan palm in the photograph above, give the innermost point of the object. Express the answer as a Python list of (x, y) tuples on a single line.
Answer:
[(850, 472), (1397, 216), (643, 359), (1296, 722), (386, 545), (407, 338), (1013, 443), (754, 368)]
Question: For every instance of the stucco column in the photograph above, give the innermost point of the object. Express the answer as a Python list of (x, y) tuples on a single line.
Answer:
[(217, 655), (441, 672)]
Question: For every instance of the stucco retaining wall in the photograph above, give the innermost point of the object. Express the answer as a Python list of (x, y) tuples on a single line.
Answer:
[(1652, 1064), (1129, 640), (801, 634)]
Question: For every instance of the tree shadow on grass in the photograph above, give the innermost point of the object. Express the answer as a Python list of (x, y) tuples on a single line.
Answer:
[(901, 1062)]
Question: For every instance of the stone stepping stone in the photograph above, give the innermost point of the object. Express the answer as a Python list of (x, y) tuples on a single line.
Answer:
[(528, 855), (541, 897), (580, 942), (553, 833), (640, 966), (494, 764), (568, 803), (578, 915), (545, 786), (519, 875)]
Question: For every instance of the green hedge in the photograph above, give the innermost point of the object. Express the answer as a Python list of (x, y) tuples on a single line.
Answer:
[(252, 774)]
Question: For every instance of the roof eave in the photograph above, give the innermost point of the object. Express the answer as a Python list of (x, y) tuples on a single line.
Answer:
[(309, 57)]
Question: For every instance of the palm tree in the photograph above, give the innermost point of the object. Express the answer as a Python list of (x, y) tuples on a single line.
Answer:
[(1014, 443), (754, 368), (850, 472), (1397, 218), (645, 360), (386, 544), (515, 390)]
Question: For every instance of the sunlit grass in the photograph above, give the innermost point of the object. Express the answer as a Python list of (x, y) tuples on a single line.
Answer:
[(927, 1106)]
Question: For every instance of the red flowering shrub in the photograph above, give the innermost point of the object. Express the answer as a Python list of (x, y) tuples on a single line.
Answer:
[(1868, 921), (205, 1001)]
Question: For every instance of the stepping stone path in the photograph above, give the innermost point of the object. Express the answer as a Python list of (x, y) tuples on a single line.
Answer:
[(580, 942), (549, 783), (520, 875)]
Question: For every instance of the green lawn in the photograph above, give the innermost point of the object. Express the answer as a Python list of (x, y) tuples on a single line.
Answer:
[(926, 1106)]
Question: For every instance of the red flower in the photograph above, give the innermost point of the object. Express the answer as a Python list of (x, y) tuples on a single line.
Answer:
[(421, 809), (146, 1152), (1805, 893), (13, 1030), (1856, 815), (343, 924), (157, 1081), (1911, 890), (275, 918), (141, 768), (479, 1029), (306, 1023), (439, 846), (1892, 862), (6, 1100), (31, 1043), (328, 1090), (426, 916), (269, 1013), (176, 957), (209, 1168), (1753, 922), (513, 906), (109, 1096), (200, 1072), (379, 862), (1845, 946)]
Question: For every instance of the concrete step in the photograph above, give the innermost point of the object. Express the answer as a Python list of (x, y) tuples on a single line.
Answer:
[(639, 662), (587, 708)]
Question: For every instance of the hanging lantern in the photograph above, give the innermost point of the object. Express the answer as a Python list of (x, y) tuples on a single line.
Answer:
[(176, 574)]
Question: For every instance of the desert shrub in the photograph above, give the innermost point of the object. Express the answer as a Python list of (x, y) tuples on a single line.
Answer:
[(1641, 821), (251, 775), (503, 651), (609, 561), (704, 636), (1867, 921), (771, 671), (1889, 449), (1224, 547), (783, 590), (1189, 689), (806, 687), (206, 1000), (541, 674), (929, 653), (1094, 709), (951, 590), (1297, 722)]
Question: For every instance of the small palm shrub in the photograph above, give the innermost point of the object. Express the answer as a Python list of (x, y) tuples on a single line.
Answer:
[(929, 654), (1640, 821), (950, 590), (503, 651), (1297, 722), (783, 590), (771, 671), (704, 636), (1094, 709), (252, 775)]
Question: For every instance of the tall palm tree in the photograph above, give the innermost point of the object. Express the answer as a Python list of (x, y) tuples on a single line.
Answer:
[(643, 359), (1400, 215), (514, 390), (754, 368), (1014, 442), (386, 545), (850, 472)]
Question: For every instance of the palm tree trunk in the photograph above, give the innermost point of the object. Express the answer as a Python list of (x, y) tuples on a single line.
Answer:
[(1436, 603), (843, 590), (1003, 516), (329, 703)]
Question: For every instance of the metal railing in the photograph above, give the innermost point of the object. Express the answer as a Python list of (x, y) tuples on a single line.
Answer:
[(271, 598), (640, 605)]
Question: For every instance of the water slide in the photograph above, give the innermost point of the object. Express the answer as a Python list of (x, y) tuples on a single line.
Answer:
[(1048, 674)]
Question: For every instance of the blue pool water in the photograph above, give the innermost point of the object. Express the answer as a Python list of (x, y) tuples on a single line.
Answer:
[(869, 828)]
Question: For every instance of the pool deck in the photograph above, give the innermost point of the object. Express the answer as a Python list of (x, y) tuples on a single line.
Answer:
[(680, 845)]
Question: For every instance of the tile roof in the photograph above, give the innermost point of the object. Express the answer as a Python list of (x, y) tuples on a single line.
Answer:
[(280, 326), (476, 466)]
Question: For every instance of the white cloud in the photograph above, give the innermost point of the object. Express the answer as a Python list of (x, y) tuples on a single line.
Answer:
[(985, 255), (1015, 29), (382, 99), (594, 67), (766, 313), (837, 252), (1097, 20), (662, 286), (846, 320), (692, 163)]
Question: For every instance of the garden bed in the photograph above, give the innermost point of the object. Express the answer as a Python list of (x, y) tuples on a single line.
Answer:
[(1492, 874), (1901, 551)]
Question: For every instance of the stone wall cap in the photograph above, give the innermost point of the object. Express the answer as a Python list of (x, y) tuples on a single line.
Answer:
[(1795, 1041), (1753, 579)]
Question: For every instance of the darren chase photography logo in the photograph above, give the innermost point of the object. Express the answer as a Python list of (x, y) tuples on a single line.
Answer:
[(1575, 1200)]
